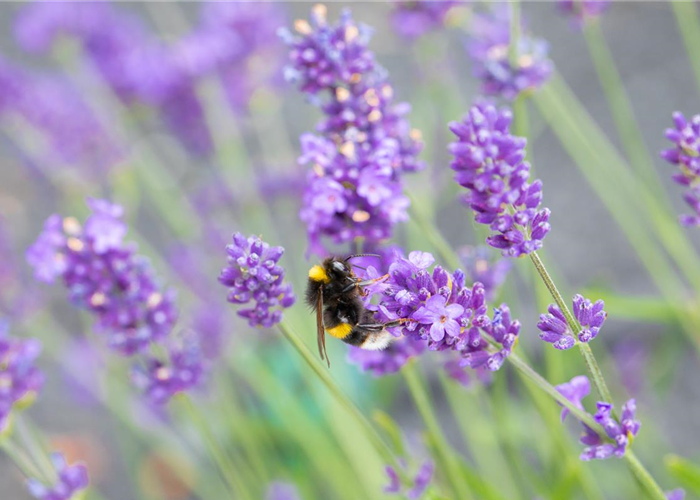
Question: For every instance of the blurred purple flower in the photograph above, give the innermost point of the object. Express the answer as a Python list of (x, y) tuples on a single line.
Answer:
[(677, 494), (575, 390), (183, 370), (554, 329), (413, 18), (581, 11), (55, 109), (444, 313), (481, 268), (354, 189), (488, 161), (71, 480), (19, 378), (621, 433), (105, 276), (419, 484), (686, 154), (488, 48), (386, 361), (253, 274), (279, 490)]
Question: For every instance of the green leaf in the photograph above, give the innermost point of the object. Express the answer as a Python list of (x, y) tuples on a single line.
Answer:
[(685, 472), (392, 429)]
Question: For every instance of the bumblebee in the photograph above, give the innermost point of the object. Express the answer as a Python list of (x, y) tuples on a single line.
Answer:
[(335, 293)]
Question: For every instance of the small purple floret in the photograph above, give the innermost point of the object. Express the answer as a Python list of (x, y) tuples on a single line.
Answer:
[(554, 329)]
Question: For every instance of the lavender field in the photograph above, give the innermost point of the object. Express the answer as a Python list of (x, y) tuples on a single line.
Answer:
[(363, 250)]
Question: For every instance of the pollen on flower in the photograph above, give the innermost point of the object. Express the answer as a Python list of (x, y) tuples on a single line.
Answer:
[(75, 244), (360, 216), (302, 26), (154, 300), (351, 33), (71, 226), (98, 299), (342, 94)]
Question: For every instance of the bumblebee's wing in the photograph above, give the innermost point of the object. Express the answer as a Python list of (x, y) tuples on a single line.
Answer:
[(320, 330)]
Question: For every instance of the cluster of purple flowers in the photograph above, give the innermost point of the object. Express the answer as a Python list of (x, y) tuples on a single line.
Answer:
[(411, 19), (420, 482), (555, 330), (489, 162), (72, 479), (104, 275), (686, 155), (441, 311), (142, 69), (19, 377), (619, 434), (582, 10), (253, 275), (354, 189), (389, 360), (488, 48)]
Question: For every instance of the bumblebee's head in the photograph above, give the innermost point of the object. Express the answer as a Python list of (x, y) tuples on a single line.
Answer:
[(332, 269)]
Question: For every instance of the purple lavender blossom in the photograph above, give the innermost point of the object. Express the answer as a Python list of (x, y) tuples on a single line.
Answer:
[(580, 11), (105, 276), (575, 390), (488, 48), (71, 480), (411, 19), (254, 275), (480, 267), (621, 433), (555, 330), (354, 189), (426, 300), (489, 163), (279, 490), (19, 378), (160, 380), (686, 154), (389, 360), (677, 494), (419, 484)]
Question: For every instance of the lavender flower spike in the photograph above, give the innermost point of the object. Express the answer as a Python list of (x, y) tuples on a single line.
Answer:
[(20, 380), (71, 480), (488, 162), (686, 154), (104, 275), (254, 275), (279, 490), (354, 188), (555, 330), (621, 433)]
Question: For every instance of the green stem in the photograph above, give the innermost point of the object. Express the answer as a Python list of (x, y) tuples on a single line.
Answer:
[(20, 458), (323, 374), (643, 476), (34, 446), (687, 18), (425, 408), (574, 325), (226, 467)]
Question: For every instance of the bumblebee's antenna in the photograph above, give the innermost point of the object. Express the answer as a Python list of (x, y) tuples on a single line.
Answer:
[(362, 255)]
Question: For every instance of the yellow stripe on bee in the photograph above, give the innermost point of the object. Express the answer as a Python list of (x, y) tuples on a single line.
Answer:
[(317, 273), (341, 331)]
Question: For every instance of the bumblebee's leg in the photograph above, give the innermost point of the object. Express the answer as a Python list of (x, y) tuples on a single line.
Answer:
[(358, 284), (375, 327)]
